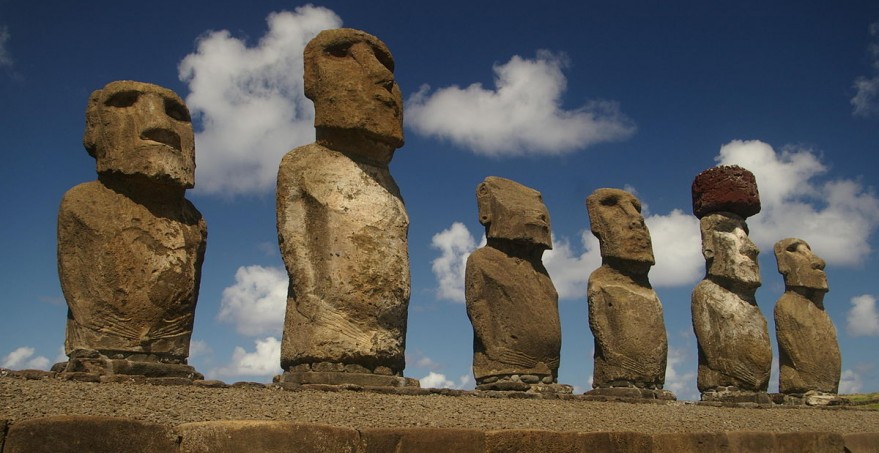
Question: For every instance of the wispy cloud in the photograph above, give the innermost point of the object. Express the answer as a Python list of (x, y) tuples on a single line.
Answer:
[(23, 358), (440, 381), (521, 115), (680, 381), (264, 361), (836, 217), (5, 56), (866, 99), (850, 382), (863, 317), (250, 101), (255, 304), (570, 269)]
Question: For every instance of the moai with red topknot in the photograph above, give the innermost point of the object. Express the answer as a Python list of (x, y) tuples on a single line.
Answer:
[(735, 356)]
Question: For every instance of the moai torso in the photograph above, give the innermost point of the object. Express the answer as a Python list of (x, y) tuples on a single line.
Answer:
[(342, 225), (809, 357), (130, 246), (625, 314), (343, 229)]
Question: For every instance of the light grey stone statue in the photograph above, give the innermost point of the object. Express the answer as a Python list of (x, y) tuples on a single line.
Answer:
[(342, 225), (735, 356)]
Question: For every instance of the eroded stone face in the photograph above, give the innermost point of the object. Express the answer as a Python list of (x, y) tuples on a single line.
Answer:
[(513, 212), (130, 246), (342, 225), (349, 75), (511, 301), (616, 220), (731, 256), (809, 357), (136, 128), (799, 266)]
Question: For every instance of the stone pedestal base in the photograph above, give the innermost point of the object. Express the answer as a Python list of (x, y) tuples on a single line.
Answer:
[(633, 392), (100, 365), (524, 383), (813, 398), (342, 378), (733, 395)]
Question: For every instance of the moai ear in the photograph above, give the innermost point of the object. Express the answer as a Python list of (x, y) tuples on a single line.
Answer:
[(483, 202)]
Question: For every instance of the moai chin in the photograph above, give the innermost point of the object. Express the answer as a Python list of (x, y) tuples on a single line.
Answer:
[(130, 246), (735, 355), (511, 301), (625, 314), (342, 225), (809, 360)]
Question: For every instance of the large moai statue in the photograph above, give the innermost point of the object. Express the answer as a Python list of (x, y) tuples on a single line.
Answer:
[(735, 356), (625, 314), (511, 300), (342, 225), (808, 352), (130, 246)]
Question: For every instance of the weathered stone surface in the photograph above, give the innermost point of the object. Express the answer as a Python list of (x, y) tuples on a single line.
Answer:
[(732, 334), (515, 441), (265, 437), (808, 351), (725, 188), (77, 434), (362, 379), (862, 442), (760, 442), (419, 440), (625, 314), (342, 225), (511, 301), (690, 443), (130, 246)]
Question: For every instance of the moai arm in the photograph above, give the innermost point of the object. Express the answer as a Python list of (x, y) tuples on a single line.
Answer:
[(292, 206)]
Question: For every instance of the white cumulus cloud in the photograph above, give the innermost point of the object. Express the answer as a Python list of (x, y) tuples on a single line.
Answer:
[(255, 304), (866, 99), (850, 382), (569, 269), (439, 381), (522, 114), (23, 359), (264, 361), (677, 249), (863, 318), (679, 381), (836, 217), (250, 100), (455, 244)]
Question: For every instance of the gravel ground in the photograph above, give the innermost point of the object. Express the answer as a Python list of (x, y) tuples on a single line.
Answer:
[(23, 399)]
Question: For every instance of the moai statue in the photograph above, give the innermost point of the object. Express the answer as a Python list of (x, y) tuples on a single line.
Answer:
[(735, 355), (342, 225), (511, 300), (625, 314), (809, 359), (130, 246)]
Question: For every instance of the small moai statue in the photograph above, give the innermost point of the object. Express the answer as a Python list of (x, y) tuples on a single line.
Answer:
[(342, 225), (625, 314), (808, 352), (511, 301), (735, 355), (130, 246)]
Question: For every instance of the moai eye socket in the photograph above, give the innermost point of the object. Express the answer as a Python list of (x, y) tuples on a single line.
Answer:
[(177, 111), (122, 99), (341, 50)]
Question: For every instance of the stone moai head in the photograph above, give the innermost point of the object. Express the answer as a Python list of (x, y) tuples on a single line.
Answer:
[(141, 129), (513, 212), (616, 220), (349, 75), (723, 197), (799, 266)]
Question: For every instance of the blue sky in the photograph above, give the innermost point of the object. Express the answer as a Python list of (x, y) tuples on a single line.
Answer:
[(565, 97)]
